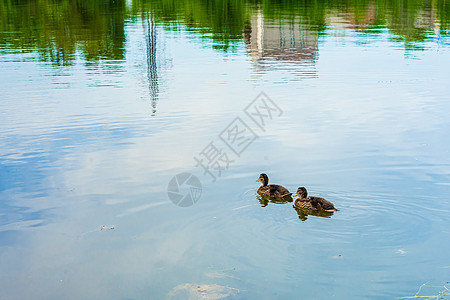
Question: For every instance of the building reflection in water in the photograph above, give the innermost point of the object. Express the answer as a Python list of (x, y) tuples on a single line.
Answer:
[(152, 66), (272, 41)]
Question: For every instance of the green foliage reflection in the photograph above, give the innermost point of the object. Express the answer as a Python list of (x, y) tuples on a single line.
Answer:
[(59, 28), (62, 29)]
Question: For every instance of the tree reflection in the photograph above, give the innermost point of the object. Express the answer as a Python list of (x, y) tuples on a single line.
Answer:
[(60, 31)]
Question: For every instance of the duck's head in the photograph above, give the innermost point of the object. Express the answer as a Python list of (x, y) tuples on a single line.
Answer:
[(301, 193), (264, 179)]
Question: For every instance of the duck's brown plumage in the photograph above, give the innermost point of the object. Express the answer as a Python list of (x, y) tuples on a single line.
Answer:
[(271, 190), (314, 203)]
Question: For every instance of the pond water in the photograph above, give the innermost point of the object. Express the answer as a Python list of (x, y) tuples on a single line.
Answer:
[(104, 102)]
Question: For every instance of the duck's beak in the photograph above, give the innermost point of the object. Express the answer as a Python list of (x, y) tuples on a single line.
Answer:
[(257, 180), (295, 195)]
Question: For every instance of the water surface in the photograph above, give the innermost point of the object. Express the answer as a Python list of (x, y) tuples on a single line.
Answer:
[(102, 103)]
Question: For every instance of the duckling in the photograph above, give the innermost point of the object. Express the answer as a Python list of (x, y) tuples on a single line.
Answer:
[(313, 203), (272, 190)]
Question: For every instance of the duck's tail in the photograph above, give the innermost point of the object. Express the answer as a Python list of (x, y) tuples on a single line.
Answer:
[(331, 210)]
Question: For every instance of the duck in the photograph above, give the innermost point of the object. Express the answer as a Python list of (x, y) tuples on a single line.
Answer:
[(272, 190), (312, 203)]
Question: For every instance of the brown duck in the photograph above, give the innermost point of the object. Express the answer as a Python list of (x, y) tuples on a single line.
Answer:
[(313, 203), (272, 190)]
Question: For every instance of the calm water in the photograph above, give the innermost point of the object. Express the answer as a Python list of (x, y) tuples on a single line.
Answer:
[(102, 103)]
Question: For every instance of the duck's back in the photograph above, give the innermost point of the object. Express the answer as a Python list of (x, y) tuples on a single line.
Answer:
[(320, 203), (303, 203), (274, 190), (279, 188)]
